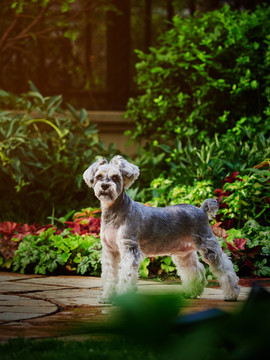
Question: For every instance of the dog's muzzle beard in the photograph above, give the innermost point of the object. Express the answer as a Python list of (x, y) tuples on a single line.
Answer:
[(105, 192), (105, 195)]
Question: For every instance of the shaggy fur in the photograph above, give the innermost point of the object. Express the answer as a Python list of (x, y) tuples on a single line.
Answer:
[(130, 231)]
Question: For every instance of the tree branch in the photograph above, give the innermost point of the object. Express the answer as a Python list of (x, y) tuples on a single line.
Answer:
[(8, 31), (26, 32), (33, 23)]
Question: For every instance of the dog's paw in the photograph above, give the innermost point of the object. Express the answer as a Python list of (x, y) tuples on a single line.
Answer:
[(193, 292), (233, 295), (230, 298), (104, 300), (188, 296)]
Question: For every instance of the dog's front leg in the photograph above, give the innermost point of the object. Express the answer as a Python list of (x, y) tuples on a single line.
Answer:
[(109, 275), (129, 266)]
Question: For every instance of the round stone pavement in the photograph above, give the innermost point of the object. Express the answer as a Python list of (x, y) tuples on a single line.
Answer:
[(37, 306)]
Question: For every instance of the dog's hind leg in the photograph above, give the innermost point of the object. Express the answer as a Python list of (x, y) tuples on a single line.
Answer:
[(130, 256), (191, 272), (221, 266), (109, 274)]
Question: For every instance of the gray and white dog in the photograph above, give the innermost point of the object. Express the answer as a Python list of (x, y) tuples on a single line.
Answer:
[(130, 230)]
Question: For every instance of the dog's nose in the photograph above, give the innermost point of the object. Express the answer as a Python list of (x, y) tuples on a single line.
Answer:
[(104, 186)]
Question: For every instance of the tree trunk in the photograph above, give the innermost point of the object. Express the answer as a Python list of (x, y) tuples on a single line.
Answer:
[(118, 55)]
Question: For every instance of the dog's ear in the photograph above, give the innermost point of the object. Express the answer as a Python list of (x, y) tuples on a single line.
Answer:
[(129, 171), (89, 174)]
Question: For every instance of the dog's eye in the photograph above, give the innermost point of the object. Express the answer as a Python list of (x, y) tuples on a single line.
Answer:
[(115, 178), (99, 177)]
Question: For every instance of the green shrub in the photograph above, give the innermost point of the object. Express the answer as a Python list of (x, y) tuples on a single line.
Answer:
[(166, 192), (50, 252), (243, 198), (71, 247), (249, 198), (215, 158), (207, 73), (43, 153)]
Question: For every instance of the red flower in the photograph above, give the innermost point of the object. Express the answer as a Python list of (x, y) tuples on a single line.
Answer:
[(220, 193), (240, 243), (232, 178), (85, 226), (7, 227), (218, 231)]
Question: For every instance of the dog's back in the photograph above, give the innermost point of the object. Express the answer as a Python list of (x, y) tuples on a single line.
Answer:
[(168, 230)]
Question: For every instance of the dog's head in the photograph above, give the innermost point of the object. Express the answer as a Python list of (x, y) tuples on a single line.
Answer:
[(110, 179)]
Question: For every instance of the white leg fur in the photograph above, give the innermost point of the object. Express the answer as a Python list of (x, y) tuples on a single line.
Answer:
[(191, 272), (222, 267), (128, 269), (109, 275)]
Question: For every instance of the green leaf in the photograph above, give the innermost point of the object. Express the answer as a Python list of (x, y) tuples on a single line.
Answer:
[(143, 270), (73, 111), (254, 84), (45, 121), (53, 103), (156, 69), (83, 116)]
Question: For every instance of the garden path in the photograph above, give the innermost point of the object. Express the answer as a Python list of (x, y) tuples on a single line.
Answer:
[(36, 306)]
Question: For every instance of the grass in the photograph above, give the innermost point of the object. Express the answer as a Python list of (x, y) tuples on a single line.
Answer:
[(70, 350)]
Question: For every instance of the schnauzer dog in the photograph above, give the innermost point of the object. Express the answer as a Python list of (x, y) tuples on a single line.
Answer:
[(130, 230)]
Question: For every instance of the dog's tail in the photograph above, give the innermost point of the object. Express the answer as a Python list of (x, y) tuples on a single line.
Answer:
[(210, 207)]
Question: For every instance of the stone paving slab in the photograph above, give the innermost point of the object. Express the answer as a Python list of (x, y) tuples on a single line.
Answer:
[(18, 316), (17, 308), (72, 297), (21, 286), (62, 324), (13, 300), (64, 281), (5, 276)]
